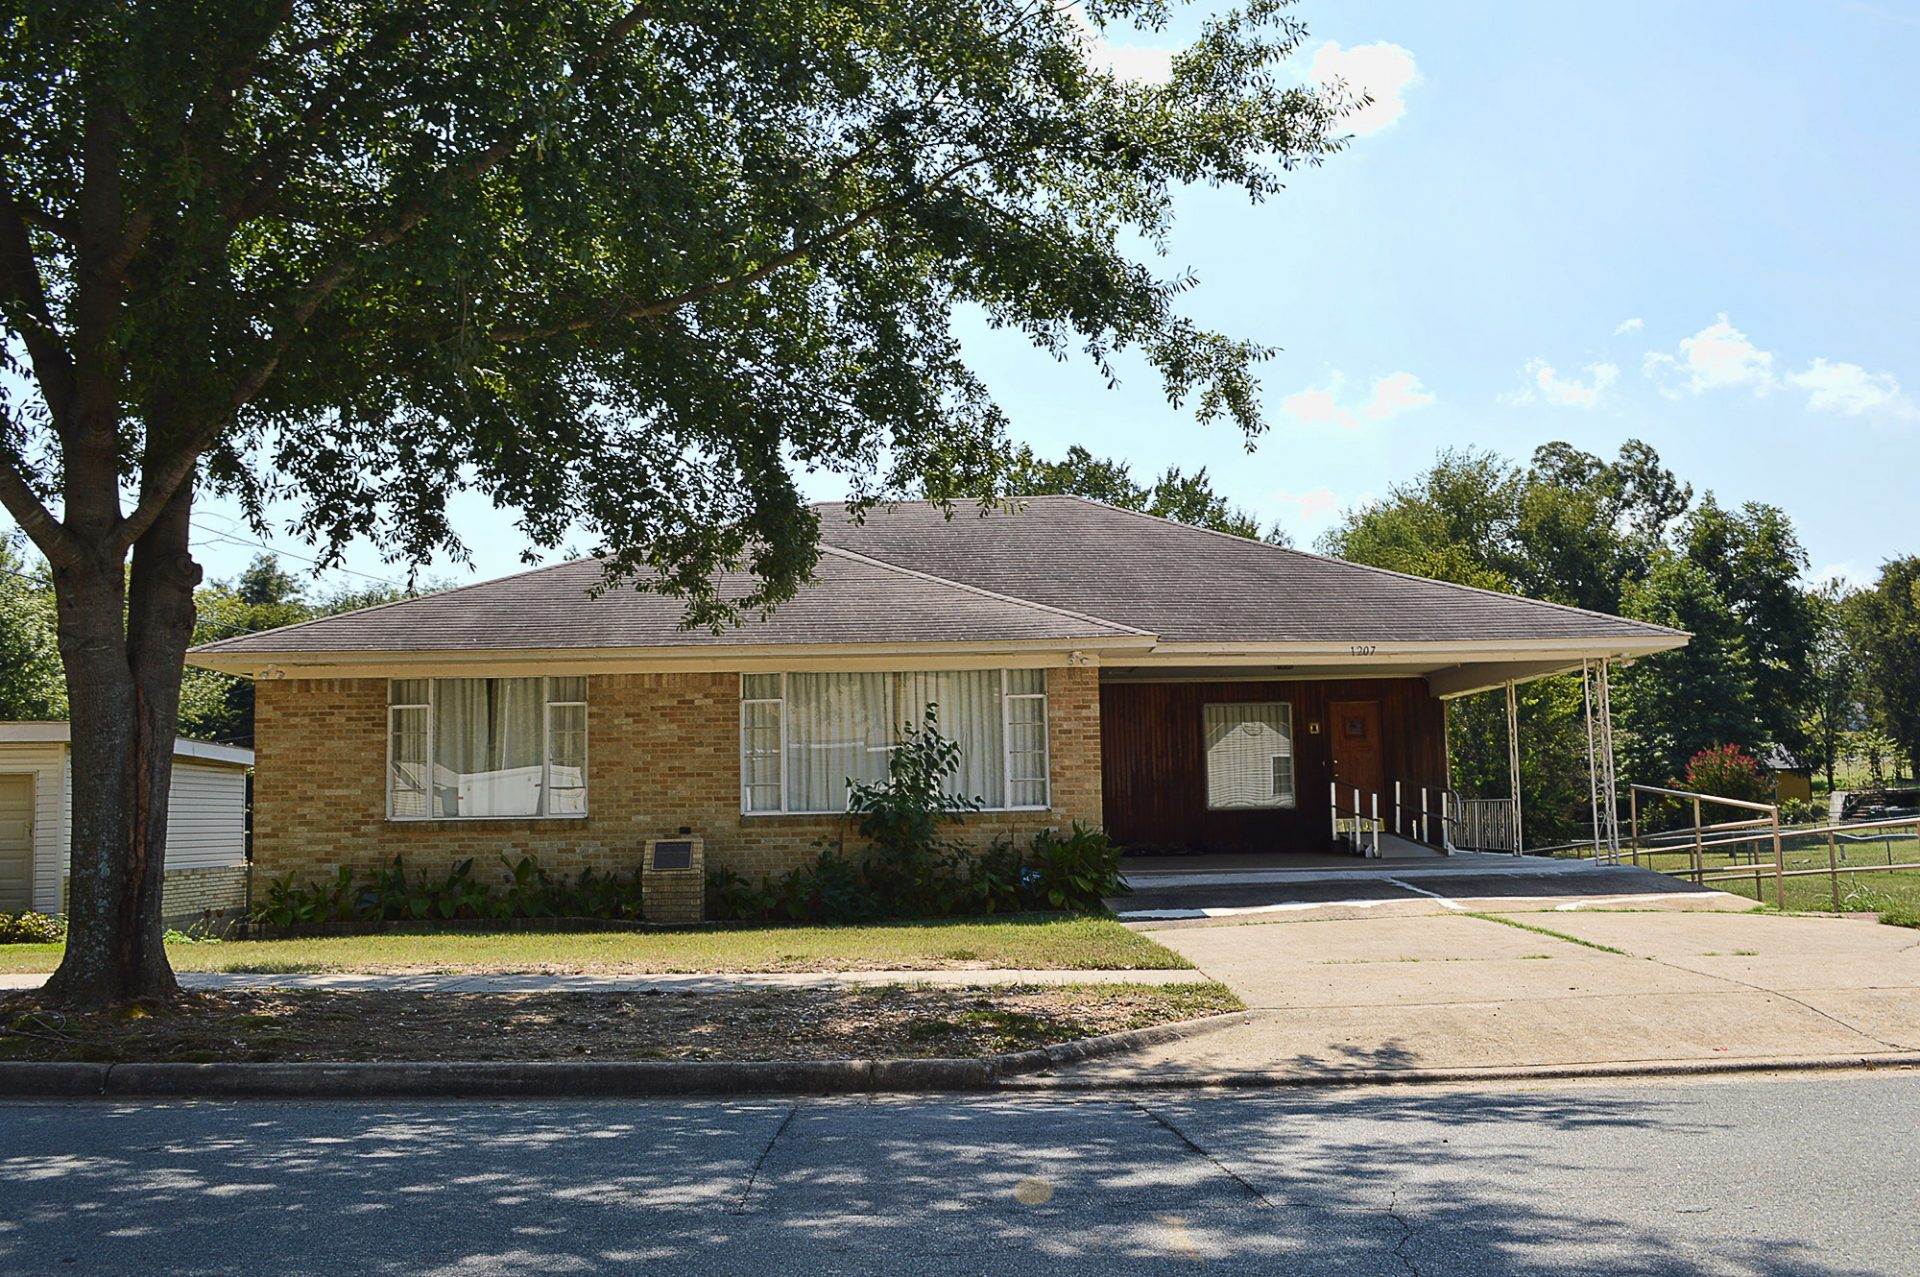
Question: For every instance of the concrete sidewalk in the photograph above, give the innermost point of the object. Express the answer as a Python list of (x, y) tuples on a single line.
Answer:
[(1450, 991), (697, 982)]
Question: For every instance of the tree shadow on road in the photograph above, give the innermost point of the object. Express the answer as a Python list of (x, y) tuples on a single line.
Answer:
[(1492, 1183)]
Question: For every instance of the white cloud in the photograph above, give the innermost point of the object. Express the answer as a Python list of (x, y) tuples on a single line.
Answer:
[(1313, 506), (1395, 393), (1629, 325), (1851, 573), (1319, 405), (1544, 382), (1716, 357), (1388, 397), (1851, 391), (1128, 61), (1380, 70)]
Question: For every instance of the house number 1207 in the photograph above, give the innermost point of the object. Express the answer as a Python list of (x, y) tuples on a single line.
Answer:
[(1365, 649)]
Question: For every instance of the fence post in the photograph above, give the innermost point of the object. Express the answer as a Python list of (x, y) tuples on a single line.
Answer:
[(1423, 813), (1376, 823), (1833, 869), (1779, 866), (1333, 805), (1633, 815), (1699, 870), (1396, 808)]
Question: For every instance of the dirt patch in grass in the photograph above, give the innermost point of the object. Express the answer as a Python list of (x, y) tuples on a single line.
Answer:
[(750, 1024)]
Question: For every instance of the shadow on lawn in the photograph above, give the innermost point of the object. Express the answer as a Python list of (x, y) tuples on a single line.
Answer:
[(1383, 1183)]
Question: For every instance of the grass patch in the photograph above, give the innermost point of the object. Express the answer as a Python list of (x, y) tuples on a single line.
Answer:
[(1506, 921), (1033, 943), (749, 1024)]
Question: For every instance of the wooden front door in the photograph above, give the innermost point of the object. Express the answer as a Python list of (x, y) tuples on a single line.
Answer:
[(1356, 746), (16, 843)]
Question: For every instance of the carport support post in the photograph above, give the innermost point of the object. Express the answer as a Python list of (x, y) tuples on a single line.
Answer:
[(1513, 767)]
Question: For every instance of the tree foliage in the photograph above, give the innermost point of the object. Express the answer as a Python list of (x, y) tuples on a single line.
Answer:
[(1887, 629), (31, 682), (1623, 536), (1175, 495), (623, 267)]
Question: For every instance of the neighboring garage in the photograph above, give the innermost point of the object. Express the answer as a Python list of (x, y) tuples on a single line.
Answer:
[(206, 825)]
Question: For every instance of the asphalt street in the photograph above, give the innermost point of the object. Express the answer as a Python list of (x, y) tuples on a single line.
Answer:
[(1810, 1175)]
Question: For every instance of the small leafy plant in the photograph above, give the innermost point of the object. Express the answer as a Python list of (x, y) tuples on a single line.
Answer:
[(31, 928), (1078, 871)]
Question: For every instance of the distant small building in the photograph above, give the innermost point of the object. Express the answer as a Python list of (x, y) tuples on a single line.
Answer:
[(206, 866), (1791, 781)]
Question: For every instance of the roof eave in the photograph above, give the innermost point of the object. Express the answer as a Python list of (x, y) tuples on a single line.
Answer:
[(481, 662)]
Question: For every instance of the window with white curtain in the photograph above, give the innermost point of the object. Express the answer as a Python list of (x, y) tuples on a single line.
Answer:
[(806, 739), (474, 748), (1249, 755)]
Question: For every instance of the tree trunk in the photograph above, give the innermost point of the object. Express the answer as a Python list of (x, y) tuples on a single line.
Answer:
[(124, 652)]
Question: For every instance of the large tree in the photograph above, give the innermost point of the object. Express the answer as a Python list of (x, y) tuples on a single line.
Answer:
[(623, 266), (1888, 631)]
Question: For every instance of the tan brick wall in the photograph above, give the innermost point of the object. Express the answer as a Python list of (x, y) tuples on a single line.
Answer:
[(663, 751), (217, 897)]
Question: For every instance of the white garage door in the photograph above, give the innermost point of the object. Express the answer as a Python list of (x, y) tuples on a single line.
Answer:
[(16, 843)]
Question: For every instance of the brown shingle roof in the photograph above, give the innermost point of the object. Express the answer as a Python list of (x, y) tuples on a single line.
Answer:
[(1189, 585), (852, 600), (1060, 568)]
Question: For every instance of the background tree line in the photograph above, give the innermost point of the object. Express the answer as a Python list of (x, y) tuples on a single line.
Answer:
[(1801, 674), (213, 706)]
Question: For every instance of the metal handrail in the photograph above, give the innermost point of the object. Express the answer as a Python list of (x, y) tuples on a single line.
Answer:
[(1748, 804)]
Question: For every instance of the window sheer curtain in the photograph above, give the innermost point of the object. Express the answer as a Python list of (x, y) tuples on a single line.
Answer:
[(489, 746), (1249, 755), (841, 729)]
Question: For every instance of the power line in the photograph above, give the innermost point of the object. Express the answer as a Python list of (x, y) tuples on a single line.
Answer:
[(227, 535)]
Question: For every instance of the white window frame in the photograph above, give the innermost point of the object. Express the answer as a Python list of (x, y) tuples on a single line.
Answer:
[(1006, 744), (1292, 801), (546, 753), (1006, 749)]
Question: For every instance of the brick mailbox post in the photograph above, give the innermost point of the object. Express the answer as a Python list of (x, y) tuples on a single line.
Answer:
[(673, 880)]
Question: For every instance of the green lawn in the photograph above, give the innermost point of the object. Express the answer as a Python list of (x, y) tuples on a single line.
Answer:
[(1029, 943)]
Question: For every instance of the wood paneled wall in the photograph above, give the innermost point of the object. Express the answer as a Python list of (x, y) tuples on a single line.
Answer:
[(1154, 761)]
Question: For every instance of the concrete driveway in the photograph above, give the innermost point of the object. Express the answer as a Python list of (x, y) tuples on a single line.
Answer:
[(1458, 990)]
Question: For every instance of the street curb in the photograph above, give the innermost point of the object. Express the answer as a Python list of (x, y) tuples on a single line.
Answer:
[(1332, 1080), (561, 1079)]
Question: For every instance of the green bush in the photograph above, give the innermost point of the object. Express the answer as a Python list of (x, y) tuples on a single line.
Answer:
[(391, 894), (32, 928), (910, 868), (1078, 871), (1798, 811)]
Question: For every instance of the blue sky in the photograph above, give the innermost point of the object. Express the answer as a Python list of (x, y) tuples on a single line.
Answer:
[(1689, 223)]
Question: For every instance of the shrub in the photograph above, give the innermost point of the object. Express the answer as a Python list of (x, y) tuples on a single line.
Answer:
[(908, 866), (1798, 811), (391, 894), (1077, 872), (1725, 772), (31, 928)]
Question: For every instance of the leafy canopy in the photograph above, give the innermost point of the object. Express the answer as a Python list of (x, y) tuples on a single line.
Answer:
[(1175, 495), (623, 267)]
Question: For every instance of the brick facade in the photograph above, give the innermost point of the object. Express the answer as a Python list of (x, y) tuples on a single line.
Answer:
[(211, 898), (663, 752)]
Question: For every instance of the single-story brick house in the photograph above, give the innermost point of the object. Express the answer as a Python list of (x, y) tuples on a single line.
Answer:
[(206, 863), (1184, 689)]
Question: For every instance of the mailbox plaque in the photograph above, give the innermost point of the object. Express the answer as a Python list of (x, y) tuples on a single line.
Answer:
[(673, 854)]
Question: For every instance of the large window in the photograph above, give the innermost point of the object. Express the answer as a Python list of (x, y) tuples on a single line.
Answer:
[(1249, 756), (806, 738), (486, 747)]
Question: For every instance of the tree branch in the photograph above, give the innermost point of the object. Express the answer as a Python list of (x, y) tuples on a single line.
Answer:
[(60, 545), (23, 301), (157, 490), (799, 252)]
